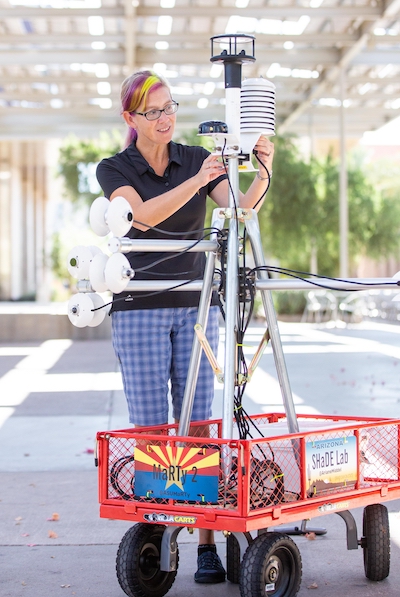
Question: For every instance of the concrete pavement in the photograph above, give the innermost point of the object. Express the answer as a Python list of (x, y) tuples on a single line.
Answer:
[(54, 397)]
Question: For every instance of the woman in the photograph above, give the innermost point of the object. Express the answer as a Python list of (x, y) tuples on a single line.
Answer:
[(166, 185)]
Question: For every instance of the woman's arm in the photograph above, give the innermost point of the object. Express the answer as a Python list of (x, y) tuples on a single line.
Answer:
[(159, 208), (255, 194)]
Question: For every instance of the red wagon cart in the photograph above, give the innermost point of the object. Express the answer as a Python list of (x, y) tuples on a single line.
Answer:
[(165, 482)]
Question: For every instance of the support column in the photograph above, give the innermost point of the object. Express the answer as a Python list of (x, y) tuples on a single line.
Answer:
[(29, 169), (17, 240), (49, 191), (343, 198), (40, 203), (5, 219)]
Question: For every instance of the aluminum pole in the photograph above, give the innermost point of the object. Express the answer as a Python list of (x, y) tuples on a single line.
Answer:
[(256, 244), (202, 318), (231, 298)]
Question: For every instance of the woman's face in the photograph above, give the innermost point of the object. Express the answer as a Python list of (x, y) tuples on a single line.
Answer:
[(158, 131)]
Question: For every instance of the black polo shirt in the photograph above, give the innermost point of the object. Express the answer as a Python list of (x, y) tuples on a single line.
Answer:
[(129, 168)]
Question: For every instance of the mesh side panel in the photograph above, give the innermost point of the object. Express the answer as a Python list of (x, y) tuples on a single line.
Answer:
[(275, 474), (121, 468), (282, 469), (379, 455)]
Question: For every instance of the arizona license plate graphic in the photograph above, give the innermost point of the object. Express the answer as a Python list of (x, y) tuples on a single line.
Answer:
[(179, 473)]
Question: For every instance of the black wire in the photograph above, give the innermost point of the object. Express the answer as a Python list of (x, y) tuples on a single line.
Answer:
[(221, 271), (243, 421), (235, 206), (170, 233), (242, 418), (299, 276), (241, 364), (255, 152), (154, 293), (170, 289), (168, 257), (165, 274), (114, 474), (160, 274)]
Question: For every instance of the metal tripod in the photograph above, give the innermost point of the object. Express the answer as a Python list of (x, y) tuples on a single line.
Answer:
[(249, 219)]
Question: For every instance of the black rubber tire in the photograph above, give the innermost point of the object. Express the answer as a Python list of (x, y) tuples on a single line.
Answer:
[(138, 562), (232, 559), (376, 542), (271, 559)]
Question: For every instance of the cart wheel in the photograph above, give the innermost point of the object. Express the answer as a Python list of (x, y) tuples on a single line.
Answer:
[(232, 559), (271, 566), (376, 542), (138, 562)]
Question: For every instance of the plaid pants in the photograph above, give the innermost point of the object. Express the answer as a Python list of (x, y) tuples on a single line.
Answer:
[(153, 347)]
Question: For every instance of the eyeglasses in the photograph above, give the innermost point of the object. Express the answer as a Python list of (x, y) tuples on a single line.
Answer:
[(155, 114)]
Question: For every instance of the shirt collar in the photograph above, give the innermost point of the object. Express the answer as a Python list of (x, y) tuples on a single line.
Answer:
[(140, 163)]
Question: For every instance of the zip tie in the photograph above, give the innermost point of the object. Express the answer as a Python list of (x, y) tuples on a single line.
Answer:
[(278, 476)]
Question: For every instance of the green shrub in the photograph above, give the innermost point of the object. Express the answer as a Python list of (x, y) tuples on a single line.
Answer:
[(289, 302)]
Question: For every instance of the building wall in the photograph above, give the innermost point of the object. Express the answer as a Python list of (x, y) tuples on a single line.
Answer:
[(27, 183), (385, 268)]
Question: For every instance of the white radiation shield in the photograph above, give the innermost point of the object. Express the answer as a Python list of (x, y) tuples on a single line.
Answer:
[(119, 216), (97, 216), (96, 272), (117, 273), (79, 259), (80, 310)]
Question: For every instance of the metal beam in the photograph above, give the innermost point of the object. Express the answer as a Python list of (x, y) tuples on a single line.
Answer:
[(178, 39), (294, 58), (364, 12), (347, 57), (51, 56), (29, 12)]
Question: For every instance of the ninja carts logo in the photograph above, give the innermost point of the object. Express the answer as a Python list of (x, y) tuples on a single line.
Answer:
[(173, 518)]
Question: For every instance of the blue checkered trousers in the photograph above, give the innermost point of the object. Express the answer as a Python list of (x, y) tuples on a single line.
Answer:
[(153, 347)]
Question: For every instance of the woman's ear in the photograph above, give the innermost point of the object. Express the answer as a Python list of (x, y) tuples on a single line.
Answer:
[(129, 119)]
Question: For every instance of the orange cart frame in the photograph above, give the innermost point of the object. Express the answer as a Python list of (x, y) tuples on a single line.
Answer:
[(242, 509)]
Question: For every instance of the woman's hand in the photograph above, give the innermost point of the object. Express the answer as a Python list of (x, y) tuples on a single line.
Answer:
[(264, 148), (211, 168), (255, 194)]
